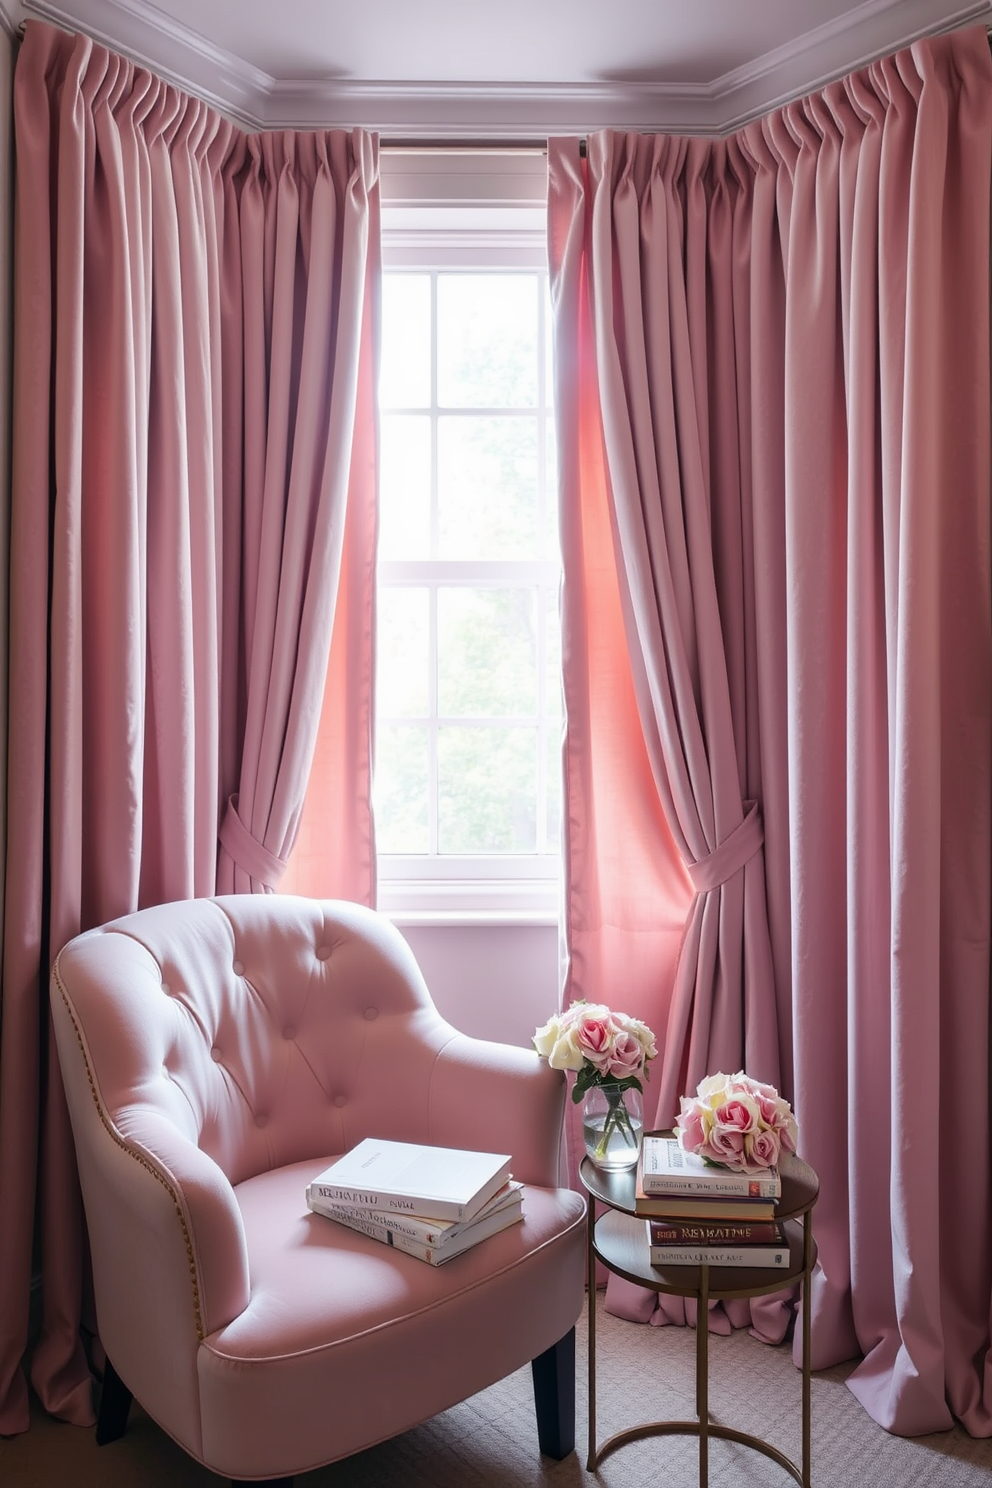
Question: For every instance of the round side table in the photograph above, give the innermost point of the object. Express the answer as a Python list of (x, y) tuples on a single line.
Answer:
[(619, 1239)]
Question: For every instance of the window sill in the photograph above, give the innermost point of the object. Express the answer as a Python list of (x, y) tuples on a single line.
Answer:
[(507, 918), (451, 901)]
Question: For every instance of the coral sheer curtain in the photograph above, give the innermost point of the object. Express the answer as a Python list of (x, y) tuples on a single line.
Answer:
[(193, 337), (774, 395)]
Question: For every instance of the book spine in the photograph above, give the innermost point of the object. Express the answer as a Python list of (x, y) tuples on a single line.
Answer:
[(388, 1203), (720, 1185), (701, 1210), (422, 1231), (385, 1235), (716, 1255), (728, 1232)]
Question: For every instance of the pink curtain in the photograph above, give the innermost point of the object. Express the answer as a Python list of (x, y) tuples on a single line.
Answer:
[(309, 229), (783, 339), (189, 323)]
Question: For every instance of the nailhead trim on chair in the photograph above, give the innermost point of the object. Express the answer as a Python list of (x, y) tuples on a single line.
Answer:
[(138, 1158)]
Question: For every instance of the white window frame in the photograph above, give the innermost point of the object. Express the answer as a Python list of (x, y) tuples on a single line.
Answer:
[(463, 210)]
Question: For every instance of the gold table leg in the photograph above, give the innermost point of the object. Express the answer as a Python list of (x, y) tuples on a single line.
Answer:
[(703, 1373), (591, 1459), (702, 1428)]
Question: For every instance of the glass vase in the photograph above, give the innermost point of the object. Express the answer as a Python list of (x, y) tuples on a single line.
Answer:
[(612, 1123)]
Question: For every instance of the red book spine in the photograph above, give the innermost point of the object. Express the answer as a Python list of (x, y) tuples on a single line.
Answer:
[(713, 1232)]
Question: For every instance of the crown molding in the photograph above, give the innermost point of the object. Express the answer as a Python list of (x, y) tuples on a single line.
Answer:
[(428, 110), (828, 52), (140, 31)]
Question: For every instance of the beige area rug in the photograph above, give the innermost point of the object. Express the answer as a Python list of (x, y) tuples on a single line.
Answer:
[(490, 1441)]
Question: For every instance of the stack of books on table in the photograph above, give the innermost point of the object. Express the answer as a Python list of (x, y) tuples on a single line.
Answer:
[(431, 1202), (695, 1212)]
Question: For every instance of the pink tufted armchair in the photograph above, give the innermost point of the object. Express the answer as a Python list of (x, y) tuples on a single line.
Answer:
[(217, 1054)]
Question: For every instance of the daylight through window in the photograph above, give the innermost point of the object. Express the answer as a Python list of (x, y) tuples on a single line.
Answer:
[(468, 697)]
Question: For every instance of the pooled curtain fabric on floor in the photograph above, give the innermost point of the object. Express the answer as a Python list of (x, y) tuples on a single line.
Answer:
[(192, 325), (782, 341)]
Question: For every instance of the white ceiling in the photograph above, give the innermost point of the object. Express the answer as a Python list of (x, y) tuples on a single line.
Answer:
[(507, 68)]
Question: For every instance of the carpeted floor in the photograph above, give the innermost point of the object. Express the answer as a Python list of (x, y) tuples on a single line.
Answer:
[(490, 1441)]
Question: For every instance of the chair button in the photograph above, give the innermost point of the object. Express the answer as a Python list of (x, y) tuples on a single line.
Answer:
[(166, 989), (238, 968), (289, 1032), (323, 952), (340, 1100), (216, 1055), (371, 1014), (261, 1120)]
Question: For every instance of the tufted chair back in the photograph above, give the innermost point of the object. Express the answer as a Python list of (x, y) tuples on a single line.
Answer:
[(265, 1030)]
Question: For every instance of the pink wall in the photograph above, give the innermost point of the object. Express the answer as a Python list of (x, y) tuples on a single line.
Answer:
[(490, 981)]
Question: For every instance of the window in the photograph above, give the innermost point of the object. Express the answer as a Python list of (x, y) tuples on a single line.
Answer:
[(468, 698)]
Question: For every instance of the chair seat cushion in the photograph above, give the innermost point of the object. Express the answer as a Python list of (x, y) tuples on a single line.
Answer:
[(331, 1309)]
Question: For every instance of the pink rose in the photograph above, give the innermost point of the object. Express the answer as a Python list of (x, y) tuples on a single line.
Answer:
[(626, 1056), (726, 1145), (691, 1127), (595, 1037), (768, 1108), (763, 1149), (787, 1130), (737, 1114), (641, 1033)]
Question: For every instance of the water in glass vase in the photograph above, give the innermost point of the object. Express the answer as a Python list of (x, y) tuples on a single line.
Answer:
[(612, 1123)]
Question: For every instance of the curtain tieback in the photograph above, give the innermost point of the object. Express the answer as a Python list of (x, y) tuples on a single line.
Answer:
[(247, 851), (732, 854)]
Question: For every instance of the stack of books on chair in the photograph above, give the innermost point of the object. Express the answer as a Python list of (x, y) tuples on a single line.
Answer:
[(431, 1202), (698, 1213)]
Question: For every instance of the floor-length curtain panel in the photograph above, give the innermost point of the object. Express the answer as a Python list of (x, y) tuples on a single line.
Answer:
[(310, 250), (883, 190), (657, 219), (131, 588), (861, 230), (626, 893)]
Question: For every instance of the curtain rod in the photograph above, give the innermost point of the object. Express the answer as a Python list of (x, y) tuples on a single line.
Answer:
[(467, 146)]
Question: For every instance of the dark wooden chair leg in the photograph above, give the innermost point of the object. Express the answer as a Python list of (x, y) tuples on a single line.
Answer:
[(554, 1397), (115, 1402)]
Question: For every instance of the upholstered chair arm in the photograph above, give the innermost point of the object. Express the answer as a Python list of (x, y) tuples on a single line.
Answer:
[(499, 1098), (204, 1208)]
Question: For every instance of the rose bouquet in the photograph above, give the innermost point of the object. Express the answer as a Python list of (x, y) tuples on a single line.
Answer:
[(735, 1122), (604, 1048)]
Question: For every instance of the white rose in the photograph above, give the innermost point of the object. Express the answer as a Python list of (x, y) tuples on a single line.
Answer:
[(712, 1085), (547, 1036), (566, 1055)]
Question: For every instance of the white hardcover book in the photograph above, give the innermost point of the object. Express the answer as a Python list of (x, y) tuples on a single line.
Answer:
[(410, 1178), (435, 1255), (756, 1256), (417, 1227), (666, 1168)]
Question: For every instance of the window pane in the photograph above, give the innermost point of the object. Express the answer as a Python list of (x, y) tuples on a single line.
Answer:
[(487, 790), (402, 653), (487, 487), (487, 340), (552, 823), (552, 657), (486, 652), (405, 486), (400, 789), (405, 355), (551, 538)]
